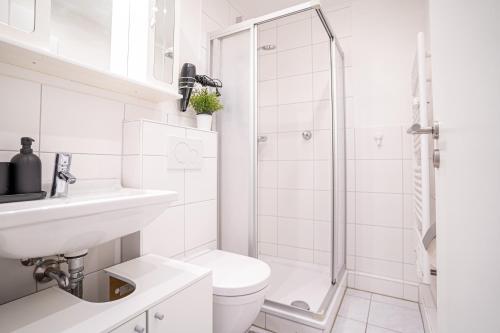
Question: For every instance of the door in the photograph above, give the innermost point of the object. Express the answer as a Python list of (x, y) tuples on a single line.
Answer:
[(189, 311), (466, 87), (232, 63), (136, 325)]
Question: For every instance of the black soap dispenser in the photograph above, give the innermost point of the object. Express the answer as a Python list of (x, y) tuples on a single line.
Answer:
[(26, 170)]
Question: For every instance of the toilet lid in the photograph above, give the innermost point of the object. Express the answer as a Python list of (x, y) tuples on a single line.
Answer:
[(234, 274)]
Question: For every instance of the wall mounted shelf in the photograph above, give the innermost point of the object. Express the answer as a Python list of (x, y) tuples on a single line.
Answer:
[(41, 60)]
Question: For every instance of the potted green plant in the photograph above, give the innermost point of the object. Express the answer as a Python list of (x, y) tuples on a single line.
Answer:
[(205, 103)]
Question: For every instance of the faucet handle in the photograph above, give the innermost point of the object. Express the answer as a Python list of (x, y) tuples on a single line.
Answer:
[(62, 176), (63, 161), (67, 177)]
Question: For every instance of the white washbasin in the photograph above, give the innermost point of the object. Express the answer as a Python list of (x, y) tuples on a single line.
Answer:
[(65, 225)]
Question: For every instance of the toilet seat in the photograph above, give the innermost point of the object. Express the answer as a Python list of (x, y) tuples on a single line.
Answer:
[(234, 274)]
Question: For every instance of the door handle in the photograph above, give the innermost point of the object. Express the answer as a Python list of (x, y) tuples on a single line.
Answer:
[(139, 329), (417, 129), (159, 316)]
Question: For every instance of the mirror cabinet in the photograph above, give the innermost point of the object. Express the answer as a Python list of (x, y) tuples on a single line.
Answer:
[(136, 39)]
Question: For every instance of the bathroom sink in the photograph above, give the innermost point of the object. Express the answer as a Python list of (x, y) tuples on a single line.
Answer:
[(68, 225)]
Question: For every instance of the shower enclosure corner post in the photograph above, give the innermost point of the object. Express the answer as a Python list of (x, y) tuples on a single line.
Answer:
[(253, 245), (340, 163), (333, 75), (211, 67)]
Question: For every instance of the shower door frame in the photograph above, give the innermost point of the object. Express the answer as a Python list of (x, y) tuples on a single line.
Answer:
[(252, 27)]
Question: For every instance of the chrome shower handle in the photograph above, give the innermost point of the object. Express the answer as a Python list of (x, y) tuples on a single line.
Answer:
[(417, 129)]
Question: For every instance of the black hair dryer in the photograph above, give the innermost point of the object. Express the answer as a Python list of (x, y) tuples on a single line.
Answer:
[(186, 84)]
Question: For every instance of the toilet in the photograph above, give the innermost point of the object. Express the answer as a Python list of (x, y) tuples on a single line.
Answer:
[(239, 288)]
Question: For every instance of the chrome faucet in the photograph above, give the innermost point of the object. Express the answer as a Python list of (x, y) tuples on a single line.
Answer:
[(62, 176)]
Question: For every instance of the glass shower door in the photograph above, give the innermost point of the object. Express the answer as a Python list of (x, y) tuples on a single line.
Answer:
[(299, 159)]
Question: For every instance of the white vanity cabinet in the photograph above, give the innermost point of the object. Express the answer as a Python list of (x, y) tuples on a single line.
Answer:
[(189, 311), (170, 296), (136, 325)]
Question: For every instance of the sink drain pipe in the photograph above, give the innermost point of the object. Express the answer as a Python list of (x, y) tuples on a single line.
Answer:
[(49, 269), (75, 269)]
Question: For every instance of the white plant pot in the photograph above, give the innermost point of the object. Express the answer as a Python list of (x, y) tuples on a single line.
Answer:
[(204, 121)]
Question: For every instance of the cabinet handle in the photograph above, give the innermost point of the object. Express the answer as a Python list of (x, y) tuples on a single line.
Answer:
[(139, 329), (159, 316)]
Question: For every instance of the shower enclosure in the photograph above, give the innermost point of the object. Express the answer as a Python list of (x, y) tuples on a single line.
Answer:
[(282, 153)]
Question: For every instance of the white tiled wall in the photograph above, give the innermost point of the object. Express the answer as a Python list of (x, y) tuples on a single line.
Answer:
[(294, 179), (87, 125), (191, 221), (199, 19), (378, 41)]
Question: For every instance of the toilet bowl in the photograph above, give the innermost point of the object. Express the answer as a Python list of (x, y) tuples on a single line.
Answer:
[(239, 288)]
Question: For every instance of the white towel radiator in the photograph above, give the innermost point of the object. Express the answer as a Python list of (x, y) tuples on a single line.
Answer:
[(423, 146)]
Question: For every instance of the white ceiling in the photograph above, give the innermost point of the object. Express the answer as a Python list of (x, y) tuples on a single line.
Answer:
[(254, 8)]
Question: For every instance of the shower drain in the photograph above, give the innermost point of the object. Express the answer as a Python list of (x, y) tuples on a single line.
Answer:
[(301, 305)]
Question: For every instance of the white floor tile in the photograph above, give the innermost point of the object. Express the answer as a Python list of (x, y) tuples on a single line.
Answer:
[(255, 329), (355, 308), (394, 317), (395, 301), (345, 325), (375, 329), (358, 293)]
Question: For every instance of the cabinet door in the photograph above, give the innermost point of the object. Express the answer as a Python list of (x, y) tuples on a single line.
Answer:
[(136, 325), (26, 21), (189, 311)]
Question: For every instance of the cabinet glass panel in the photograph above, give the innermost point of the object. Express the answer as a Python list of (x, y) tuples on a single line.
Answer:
[(19, 14), (83, 31), (164, 22)]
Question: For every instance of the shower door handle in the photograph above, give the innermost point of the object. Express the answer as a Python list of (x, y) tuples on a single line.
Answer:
[(262, 139)]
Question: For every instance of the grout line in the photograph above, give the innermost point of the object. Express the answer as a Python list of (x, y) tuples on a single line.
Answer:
[(308, 160), (296, 247), (276, 64), (386, 260), (295, 75), (184, 215), (385, 328), (379, 226), (314, 161), (369, 309), (293, 103), (293, 189), (397, 305), (355, 208), (40, 120), (89, 154)]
